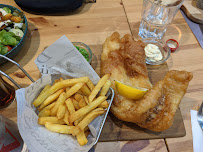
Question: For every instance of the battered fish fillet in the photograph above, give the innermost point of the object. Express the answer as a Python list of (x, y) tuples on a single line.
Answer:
[(163, 100), (125, 60)]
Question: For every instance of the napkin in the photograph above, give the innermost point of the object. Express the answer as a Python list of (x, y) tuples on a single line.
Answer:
[(196, 132), (195, 29), (61, 59)]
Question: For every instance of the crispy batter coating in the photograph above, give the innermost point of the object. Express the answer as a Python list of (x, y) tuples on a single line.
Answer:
[(167, 95), (125, 60)]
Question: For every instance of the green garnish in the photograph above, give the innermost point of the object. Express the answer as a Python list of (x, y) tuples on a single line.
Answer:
[(7, 10), (3, 49), (83, 52), (8, 38)]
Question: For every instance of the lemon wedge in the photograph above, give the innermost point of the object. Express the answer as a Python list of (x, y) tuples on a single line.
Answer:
[(130, 92)]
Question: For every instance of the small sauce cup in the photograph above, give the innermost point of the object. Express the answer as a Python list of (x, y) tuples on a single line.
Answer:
[(163, 47), (86, 47)]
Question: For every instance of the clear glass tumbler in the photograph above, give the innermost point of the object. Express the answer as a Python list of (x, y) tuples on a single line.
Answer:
[(156, 16), (7, 93)]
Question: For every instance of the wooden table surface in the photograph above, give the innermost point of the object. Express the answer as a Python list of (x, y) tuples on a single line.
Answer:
[(91, 24)]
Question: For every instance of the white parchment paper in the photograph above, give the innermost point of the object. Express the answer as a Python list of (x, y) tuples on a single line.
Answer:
[(61, 59)]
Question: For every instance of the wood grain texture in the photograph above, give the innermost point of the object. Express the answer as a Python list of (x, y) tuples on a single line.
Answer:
[(188, 57), (116, 130), (91, 24), (192, 11), (132, 146)]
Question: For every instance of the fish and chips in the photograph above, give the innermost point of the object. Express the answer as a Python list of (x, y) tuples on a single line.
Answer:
[(68, 106)]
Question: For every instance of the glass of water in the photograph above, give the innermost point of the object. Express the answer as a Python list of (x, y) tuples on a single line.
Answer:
[(156, 16)]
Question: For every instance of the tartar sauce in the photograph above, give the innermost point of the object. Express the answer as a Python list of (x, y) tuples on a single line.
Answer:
[(153, 53)]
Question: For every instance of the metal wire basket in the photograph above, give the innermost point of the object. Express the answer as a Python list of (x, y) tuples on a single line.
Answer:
[(4, 74)]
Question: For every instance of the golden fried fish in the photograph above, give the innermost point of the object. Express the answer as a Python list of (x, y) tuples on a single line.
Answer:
[(163, 100), (124, 59)]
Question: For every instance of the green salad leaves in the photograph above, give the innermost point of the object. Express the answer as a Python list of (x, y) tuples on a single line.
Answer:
[(7, 10), (3, 49), (8, 38)]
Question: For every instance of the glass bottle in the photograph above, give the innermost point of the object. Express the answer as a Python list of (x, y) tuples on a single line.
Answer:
[(7, 93)]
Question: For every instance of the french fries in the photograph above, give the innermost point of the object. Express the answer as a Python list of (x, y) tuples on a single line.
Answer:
[(61, 112), (86, 100), (82, 103), (63, 129), (85, 90), (79, 120), (78, 96), (74, 89), (105, 88), (90, 84), (104, 104), (46, 108), (50, 99), (43, 120), (59, 102), (68, 106), (91, 116), (97, 88), (75, 103), (45, 113), (56, 87), (81, 138), (86, 109), (66, 117), (45, 88)]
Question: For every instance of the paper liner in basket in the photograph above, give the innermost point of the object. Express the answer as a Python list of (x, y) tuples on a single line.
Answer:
[(61, 59)]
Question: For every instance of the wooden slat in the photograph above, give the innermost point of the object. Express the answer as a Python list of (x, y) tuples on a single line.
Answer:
[(116, 130), (132, 146), (192, 11)]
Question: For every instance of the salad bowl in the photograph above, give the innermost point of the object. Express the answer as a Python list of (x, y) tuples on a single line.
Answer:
[(13, 49)]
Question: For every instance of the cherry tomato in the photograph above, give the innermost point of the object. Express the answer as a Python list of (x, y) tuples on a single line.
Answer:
[(9, 48)]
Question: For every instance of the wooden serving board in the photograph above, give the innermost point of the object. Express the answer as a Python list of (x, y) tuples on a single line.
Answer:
[(192, 11), (117, 130)]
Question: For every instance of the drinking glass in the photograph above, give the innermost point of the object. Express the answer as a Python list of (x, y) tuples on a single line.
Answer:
[(156, 16), (7, 93)]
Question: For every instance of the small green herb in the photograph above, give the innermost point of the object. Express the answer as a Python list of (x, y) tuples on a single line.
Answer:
[(83, 52)]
